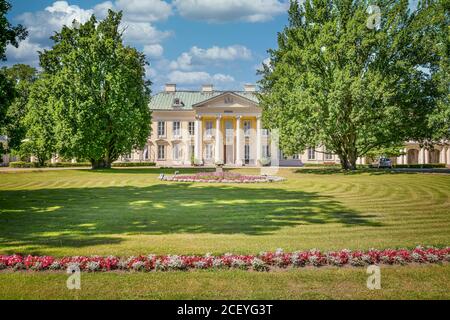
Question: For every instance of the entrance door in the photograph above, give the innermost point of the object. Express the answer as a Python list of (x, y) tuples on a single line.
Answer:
[(228, 151), (247, 154)]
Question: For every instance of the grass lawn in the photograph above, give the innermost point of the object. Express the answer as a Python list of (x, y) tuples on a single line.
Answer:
[(129, 211)]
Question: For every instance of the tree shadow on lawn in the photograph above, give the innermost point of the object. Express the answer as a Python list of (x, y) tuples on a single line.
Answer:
[(334, 171), (78, 217)]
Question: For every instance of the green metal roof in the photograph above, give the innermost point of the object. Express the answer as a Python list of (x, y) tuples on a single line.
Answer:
[(165, 100)]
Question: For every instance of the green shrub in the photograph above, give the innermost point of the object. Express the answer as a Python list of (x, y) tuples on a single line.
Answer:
[(67, 164), (23, 164), (133, 164), (420, 166), (325, 164)]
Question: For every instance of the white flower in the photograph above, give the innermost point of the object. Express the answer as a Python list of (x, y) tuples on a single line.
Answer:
[(138, 266), (93, 266), (175, 263), (259, 265)]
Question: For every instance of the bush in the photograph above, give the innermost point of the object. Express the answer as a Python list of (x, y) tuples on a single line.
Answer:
[(322, 165), (67, 164), (22, 164), (420, 166), (133, 164)]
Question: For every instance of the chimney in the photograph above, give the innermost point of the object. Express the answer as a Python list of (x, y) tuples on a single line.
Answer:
[(207, 88), (170, 87), (249, 88)]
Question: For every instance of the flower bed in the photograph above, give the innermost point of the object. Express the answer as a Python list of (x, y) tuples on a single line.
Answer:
[(262, 262), (223, 177)]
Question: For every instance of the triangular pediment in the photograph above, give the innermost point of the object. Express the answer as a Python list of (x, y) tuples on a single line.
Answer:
[(226, 100)]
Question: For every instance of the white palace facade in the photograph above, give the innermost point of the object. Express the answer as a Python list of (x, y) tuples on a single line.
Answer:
[(208, 127)]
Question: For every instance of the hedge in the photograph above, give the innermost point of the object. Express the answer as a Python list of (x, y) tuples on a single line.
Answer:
[(67, 164), (22, 164), (420, 166), (133, 164)]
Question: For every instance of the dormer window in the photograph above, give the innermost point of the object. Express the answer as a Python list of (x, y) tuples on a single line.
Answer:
[(178, 103)]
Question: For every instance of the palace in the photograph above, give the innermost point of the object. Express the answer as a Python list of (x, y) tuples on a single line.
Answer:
[(208, 127)]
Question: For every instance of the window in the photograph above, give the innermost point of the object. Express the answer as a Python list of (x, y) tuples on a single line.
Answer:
[(177, 152), (177, 102), (146, 152), (191, 128), (265, 132), (311, 154), (295, 157), (161, 128), (247, 125), (176, 129), (208, 151), (247, 154), (209, 127), (266, 151), (328, 156), (161, 152)]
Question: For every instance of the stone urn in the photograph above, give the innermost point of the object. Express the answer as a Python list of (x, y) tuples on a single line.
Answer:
[(219, 167)]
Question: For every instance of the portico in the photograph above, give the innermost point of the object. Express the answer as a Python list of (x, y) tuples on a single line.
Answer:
[(227, 130)]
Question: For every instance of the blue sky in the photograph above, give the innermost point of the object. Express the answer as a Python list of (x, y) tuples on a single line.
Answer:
[(187, 42)]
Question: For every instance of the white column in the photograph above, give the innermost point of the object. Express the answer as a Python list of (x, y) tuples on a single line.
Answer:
[(238, 141), (427, 156), (258, 141), (448, 155), (422, 156), (186, 141), (198, 140), (219, 145)]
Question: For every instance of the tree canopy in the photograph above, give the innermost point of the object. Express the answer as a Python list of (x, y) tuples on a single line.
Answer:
[(9, 35), (97, 93), (352, 76), (22, 77)]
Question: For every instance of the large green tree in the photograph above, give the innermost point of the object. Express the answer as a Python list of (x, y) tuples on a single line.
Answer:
[(351, 76), (9, 35), (439, 122), (99, 96), (22, 76), (39, 120)]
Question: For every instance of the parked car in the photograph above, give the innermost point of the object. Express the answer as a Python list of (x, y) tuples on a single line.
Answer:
[(382, 163)]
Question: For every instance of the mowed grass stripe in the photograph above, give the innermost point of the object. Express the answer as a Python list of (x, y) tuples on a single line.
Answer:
[(75, 212)]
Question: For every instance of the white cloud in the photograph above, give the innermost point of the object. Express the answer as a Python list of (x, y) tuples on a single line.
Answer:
[(142, 33), (230, 10), (137, 24), (197, 56), (43, 24), (183, 62), (26, 53), (144, 10), (153, 50), (198, 77), (150, 72), (217, 53)]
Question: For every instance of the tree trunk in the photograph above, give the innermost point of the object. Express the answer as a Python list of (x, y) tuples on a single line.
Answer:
[(100, 164), (344, 161), (352, 160), (348, 160)]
